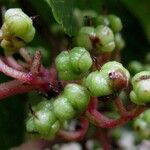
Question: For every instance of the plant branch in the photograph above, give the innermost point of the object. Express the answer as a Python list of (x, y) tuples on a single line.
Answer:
[(102, 121), (13, 63), (12, 88), (21, 76), (23, 52), (122, 110), (102, 137), (75, 135)]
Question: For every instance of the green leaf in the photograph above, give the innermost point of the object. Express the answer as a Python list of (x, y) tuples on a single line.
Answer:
[(63, 12)]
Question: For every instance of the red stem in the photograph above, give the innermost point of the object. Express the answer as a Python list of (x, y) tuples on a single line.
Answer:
[(13, 63), (122, 110), (75, 135), (12, 88), (102, 121), (102, 137), (21, 76), (23, 52)]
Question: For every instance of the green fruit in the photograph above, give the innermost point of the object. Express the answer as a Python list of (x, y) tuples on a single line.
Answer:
[(142, 128), (105, 36), (17, 30), (97, 84), (74, 64), (101, 20), (146, 116), (141, 124), (43, 121), (62, 61), (135, 67), (80, 60), (141, 86), (63, 109), (134, 98), (85, 36), (115, 23), (18, 24), (119, 42), (78, 96), (68, 75), (114, 66), (102, 83)]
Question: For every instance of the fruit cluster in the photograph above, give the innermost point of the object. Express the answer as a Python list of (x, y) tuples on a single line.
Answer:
[(92, 78), (49, 116)]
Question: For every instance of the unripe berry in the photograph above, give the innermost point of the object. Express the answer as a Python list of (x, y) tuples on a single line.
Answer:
[(78, 96), (135, 67), (73, 64), (43, 121), (101, 20), (62, 61), (17, 30), (80, 59), (119, 42), (141, 124), (112, 77), (63, 109), (106, 39), (85, 36), (112, 21), (115, 23), (18, 24), (114, 66), (142, 128), (146, 116), (97, 84), (141, 87), (48, 117)]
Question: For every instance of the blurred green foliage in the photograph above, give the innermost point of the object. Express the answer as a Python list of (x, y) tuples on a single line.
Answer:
[(135, 17)]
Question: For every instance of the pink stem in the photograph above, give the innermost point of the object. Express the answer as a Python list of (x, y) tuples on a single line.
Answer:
[(13, 63), (21, 76), (102, 136), (102, 121), (25, 55), (76, 135), (122, 110), (12, 88)]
